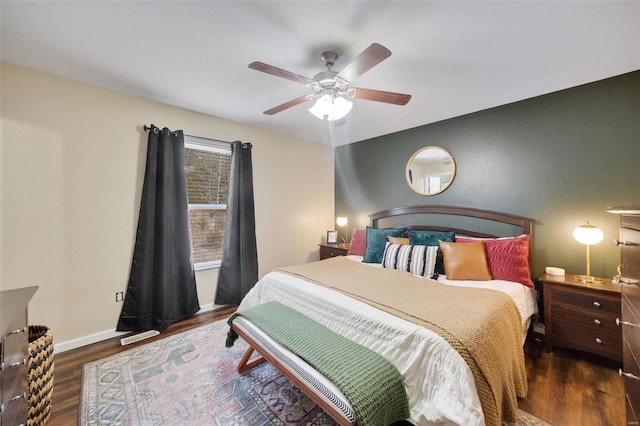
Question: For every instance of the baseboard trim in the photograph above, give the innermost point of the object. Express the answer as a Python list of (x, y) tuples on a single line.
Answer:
[(104, 335)]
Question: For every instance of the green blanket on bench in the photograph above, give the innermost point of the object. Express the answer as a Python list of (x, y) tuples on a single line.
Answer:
[(372, 385)]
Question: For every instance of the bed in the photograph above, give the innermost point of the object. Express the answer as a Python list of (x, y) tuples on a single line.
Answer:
[(446, 332)]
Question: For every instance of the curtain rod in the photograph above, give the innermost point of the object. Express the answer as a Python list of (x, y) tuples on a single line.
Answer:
[(147, 128)]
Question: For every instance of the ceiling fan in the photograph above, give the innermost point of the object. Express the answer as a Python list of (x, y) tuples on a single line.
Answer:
[(330, 89)]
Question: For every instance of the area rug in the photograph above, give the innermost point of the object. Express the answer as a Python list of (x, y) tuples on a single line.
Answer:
[(191, 379)]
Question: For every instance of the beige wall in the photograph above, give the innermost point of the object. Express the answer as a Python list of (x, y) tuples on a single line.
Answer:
[(72, 163)]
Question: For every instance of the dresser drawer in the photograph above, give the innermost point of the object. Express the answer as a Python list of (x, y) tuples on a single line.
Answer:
[(630, 222), (570, 335), (632, 418), (632, 386), (14, 346), (14, 409), (587, 300), (631, 332), (15, 340), (327, 252), (630, 252), (631, 337), (13, 364), (597, 321), (15, 382)]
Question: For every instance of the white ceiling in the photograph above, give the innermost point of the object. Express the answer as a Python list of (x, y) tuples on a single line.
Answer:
[(452, 57)]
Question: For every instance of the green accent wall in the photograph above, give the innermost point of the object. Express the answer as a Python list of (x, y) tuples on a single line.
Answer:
[(560, 158)]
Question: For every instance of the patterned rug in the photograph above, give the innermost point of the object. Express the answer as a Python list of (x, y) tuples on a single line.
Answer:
[(191, 379)]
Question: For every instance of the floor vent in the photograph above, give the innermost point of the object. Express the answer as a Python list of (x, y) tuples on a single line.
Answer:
[(138, 337)]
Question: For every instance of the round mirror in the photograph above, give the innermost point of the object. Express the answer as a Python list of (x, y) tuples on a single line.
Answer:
[(430, 170)]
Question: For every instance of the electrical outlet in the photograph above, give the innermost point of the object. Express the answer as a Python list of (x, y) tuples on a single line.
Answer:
[(119, 296)]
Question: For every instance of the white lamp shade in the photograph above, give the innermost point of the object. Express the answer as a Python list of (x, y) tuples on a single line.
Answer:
[(330, 107), (341, 220), (321, 107), (341, 107), (588, 234)]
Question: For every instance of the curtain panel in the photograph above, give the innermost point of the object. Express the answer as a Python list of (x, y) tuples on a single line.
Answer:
[(162, 285), (239, 269)]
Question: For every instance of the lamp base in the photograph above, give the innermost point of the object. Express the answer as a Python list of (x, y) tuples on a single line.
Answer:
[(588, 279)]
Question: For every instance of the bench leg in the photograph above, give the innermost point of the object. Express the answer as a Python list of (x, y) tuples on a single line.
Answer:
[(245, 364)]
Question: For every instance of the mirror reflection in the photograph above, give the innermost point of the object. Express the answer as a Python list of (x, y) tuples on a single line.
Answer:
[(430, 170)]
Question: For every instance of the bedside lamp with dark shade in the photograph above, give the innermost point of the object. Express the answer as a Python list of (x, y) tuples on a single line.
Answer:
[(588, 235)]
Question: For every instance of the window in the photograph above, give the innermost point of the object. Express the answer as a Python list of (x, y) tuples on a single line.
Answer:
[(208, 165)]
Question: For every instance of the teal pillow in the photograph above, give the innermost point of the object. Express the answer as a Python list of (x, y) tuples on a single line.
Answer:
[(426, 238), (376, 242)]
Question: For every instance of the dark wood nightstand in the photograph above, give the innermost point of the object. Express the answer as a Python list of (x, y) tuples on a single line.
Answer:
[(582, 316), (332, 250)]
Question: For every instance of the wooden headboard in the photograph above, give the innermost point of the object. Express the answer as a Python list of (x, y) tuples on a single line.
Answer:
[(524, 225)]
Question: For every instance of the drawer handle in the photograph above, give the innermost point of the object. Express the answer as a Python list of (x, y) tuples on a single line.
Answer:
[(596, 321), (22, 330), (630, 324), (624, 243), (4, 366), (629, 375), (596, 304), (598, 341), (628, 281), (17, 397)]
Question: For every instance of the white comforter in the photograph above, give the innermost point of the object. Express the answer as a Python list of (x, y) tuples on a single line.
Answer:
[(439, 383)]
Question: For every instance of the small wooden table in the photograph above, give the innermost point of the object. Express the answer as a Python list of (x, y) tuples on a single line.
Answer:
[(582, 316), (332, 250)]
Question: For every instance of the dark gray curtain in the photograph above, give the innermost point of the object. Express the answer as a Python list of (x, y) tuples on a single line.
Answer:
[(239, 269), (162, 284)]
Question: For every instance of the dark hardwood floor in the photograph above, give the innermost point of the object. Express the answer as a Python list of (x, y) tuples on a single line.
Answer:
[(564, 388), (573, 388)]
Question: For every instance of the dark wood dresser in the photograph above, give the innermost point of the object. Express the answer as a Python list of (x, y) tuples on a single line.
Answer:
[(629, 278), (14, 330), (582, 316)]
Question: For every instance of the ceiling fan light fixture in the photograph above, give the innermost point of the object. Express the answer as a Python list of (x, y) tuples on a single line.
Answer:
[(330, 89), (331, 107)]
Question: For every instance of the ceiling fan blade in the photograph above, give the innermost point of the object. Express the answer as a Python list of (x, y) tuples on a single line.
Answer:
[(279, 72), (362, 63), (288, 105), (379, 96)]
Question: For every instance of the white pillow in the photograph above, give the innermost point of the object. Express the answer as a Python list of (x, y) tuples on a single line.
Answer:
[(419, 260)]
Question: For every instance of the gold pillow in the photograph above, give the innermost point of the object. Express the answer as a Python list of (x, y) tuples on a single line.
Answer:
[(398, 240), (465, 261)]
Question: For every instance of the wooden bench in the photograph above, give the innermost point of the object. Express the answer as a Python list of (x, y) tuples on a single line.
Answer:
[(313, 384)]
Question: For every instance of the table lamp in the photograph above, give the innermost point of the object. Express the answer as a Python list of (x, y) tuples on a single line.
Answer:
[(588, 235), (342, 221)]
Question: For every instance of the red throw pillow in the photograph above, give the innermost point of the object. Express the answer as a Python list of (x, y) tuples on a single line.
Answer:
[(358, 242), (508, 258)]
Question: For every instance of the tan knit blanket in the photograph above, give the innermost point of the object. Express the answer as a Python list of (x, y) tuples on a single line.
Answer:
[(482, 325)]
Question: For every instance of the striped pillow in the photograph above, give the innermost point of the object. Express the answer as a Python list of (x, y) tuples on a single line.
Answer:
[(419, 260)]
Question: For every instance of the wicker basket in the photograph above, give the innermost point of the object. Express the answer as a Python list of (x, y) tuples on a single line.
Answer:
[(40, 371)]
